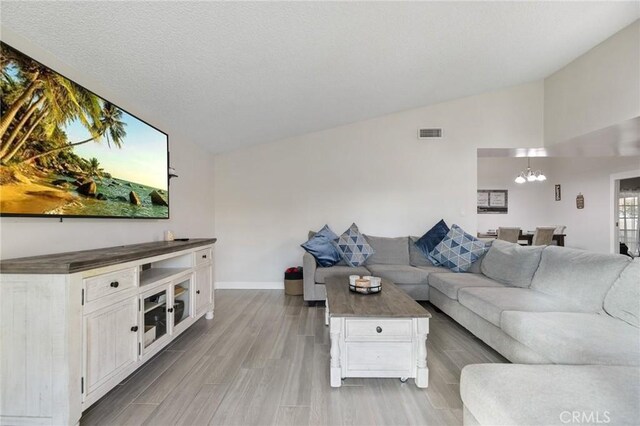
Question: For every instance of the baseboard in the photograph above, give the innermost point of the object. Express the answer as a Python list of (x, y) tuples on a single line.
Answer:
[(249, 285)]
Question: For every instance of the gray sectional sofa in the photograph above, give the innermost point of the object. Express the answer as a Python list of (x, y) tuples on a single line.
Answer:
[(575, 313), (568, 319), (396, 259)]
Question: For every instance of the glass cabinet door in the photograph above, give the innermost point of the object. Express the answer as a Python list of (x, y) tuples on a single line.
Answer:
[(182, 300), (155, 316)]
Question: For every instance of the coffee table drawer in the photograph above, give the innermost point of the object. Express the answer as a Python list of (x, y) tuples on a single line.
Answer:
[(363, 358), (378, 330)]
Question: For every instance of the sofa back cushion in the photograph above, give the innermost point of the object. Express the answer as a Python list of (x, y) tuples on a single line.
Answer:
[(416, 256), (388, 251), (578, 276), (623, 299), (511, 264)]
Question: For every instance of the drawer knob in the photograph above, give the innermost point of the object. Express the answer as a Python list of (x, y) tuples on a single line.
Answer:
[(114, 284), (134, 328), (379, 329), (204, 256), (197, 291)]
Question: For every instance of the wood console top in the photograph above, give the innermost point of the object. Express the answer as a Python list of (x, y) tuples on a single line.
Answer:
[(78, 261)]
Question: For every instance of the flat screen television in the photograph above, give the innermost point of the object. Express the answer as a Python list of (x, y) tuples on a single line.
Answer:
[(67, 152)]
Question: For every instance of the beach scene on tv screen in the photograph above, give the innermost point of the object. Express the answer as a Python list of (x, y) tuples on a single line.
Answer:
[(66, 151)]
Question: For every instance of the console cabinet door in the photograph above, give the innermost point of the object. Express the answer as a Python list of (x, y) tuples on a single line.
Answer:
[(203, 289), (111, 339)]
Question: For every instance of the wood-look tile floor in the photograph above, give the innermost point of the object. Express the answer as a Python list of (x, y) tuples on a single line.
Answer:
[(264, 360)]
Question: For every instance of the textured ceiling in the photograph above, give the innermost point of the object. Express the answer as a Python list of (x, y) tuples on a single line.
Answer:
[(227, 75)]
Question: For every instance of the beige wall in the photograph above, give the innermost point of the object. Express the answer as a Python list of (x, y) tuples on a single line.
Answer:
[(375, 173), (191, 194), (596, 90)]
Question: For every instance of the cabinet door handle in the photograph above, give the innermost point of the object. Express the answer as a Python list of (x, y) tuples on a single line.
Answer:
[(379, 329), (114, 284), (204, 256), (134, 328), (197, 291), (170, 310)]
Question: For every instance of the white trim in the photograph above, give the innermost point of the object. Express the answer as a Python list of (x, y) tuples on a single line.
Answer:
[(613, 204), (249, 285)]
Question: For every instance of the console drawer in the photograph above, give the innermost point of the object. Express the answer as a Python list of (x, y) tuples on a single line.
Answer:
[(378, 329), (108, 284), (203, 256)]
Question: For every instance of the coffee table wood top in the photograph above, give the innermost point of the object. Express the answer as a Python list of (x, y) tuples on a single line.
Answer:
[(391, 302)]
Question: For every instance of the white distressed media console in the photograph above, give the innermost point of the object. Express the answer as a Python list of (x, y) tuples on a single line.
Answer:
[(74, 325)]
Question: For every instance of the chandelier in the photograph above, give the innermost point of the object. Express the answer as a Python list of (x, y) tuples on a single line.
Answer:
[(529, 175)]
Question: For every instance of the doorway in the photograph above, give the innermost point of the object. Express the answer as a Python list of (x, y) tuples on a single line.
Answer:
[(626, 214)]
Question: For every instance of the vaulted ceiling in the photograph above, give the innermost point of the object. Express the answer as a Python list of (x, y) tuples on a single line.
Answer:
[(232, 74)]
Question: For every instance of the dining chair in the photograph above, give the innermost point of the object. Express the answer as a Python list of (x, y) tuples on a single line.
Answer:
[(508, 234), (543, 235)]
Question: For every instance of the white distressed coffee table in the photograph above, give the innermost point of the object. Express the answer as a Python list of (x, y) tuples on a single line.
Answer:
[(376, 335)]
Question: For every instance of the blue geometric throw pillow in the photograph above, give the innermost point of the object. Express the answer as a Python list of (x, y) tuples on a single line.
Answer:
[(354, 247), (432, 238), (458, 250), (321, 247)]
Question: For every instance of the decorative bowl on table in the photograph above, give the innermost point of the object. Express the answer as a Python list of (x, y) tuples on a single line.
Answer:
[(365, 285)]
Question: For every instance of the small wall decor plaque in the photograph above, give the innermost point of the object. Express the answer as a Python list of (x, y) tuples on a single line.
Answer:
[(580, 201), (558, 193)]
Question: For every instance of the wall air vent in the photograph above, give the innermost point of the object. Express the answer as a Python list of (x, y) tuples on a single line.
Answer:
[(429, 133)]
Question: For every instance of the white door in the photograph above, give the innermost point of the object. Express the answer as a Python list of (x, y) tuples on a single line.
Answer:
[(111, 336), (203, 289)]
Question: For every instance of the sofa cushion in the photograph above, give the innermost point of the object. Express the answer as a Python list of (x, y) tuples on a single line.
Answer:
[(400, 274), (353, 246), (578, 276), (623, 299), (458, 250), (575, 338), (518, 394), (388, 251), (476, 267), (322, 247), (416, 256), (432, 238), (434, 269), (450, 284), (490, 302), (323, 273), (511, 264)]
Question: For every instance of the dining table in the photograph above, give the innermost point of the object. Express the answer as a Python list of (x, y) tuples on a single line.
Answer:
[(524, 236)]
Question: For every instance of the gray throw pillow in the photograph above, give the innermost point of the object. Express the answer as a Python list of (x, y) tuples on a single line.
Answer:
[(511, 263)]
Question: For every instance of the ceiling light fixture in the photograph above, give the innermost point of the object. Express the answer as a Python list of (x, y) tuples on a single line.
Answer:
[(529, 175)]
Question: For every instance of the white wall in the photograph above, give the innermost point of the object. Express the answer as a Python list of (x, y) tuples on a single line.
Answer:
[(533, 204), (589, 228), (191, 194), (596, 90), (375, 173)]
